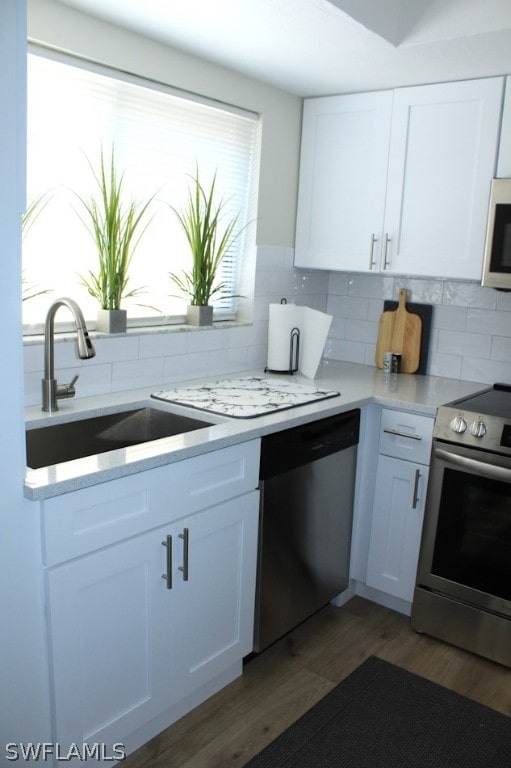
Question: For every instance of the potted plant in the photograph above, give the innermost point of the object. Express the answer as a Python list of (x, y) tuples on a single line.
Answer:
[(34, 208), (116, 228), (208, 240)]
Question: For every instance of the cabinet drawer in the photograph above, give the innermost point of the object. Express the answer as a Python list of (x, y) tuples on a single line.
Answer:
[(86, 520), (212, 478), (406, 435)]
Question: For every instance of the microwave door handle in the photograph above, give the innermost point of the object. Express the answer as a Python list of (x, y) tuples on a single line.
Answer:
[(491, 471)]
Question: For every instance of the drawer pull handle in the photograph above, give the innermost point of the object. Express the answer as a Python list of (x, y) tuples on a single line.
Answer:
[(372, 241), (402, 434), (184, 567), (385, 251), (168, 576), (416, 489)]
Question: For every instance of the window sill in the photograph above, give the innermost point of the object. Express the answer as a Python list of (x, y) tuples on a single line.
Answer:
[(66, 332)]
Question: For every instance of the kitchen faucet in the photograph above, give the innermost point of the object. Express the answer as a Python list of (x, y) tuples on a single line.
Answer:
[(51, 390)]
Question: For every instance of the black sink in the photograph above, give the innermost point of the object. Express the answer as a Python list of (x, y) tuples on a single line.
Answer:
[(57, 443)]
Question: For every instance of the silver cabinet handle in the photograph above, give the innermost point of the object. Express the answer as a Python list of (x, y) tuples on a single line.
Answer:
[(372, 241), (416, 489), (168, 576), (402, 434), (386, 242), (184, 568)]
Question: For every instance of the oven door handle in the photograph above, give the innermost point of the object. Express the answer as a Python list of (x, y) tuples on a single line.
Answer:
[(481, 467)]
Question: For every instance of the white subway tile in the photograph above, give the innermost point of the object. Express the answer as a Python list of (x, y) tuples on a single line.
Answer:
[(464, 344), (111, 349), (361, 330), (163, 344), (501, 349), (353, 307), (183, 367), (338, 284), (249, 335), (487, 321), (227, 361), (202, 340), (486, 371), (136, 374), (469, 295), (445, 365), (450, 317), (349, 351), (367, 286), (370, 352), (33, 357), (257, 357)]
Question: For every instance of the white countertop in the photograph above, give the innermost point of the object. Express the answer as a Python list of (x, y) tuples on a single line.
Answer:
[(358, 385)]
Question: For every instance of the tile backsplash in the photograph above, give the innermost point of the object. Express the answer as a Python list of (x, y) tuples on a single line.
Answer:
[(470, 329), (470, 333)]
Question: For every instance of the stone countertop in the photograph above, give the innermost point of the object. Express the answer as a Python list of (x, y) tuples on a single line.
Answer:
[(358, 385)]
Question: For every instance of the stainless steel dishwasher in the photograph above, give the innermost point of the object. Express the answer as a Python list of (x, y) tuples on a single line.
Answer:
[(307, 484)]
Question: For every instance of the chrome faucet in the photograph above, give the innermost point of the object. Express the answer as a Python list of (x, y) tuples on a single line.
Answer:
[(51, 390)]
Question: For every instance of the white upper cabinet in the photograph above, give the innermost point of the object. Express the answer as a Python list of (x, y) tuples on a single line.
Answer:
[(504, 164), (343, 175), (442, 159), (401, 186)]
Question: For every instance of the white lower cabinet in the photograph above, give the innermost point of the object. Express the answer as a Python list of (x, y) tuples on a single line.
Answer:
[(138, 627), (399, 498), (396, 526)]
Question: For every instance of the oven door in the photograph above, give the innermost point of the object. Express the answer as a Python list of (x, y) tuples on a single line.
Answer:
[(466, 543)]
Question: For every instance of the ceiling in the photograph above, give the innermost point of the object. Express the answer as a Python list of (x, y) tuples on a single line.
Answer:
[(317, 47)]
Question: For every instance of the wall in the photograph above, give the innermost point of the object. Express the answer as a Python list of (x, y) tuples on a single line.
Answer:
[(60, 26), (149, 359), (24, 698), (470, 331)]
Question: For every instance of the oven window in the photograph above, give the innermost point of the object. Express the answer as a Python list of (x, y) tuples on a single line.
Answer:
[(473, 539)]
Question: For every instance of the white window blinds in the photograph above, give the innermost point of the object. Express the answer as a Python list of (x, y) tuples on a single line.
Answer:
[(159, 136)]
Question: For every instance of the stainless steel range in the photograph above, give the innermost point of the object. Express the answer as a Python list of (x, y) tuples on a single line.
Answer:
[(463, 590)]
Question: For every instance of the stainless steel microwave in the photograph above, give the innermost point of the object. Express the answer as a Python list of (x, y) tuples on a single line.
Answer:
[(497, 252)]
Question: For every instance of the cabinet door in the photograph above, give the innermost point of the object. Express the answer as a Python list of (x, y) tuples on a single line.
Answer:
[(504, 163), (396, 526), (213, 615), (442, 158), (127, 644), (109, 618), (343, 171)]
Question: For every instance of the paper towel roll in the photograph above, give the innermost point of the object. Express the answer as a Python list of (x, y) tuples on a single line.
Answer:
[(313, 327), (282, 319)]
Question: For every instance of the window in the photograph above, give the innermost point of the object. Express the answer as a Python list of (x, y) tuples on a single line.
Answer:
[(159, 136)]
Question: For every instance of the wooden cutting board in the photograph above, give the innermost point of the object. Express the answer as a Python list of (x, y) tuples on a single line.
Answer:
[(400, 331)]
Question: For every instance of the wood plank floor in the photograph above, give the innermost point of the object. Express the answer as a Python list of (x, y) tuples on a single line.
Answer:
[(284, 681)]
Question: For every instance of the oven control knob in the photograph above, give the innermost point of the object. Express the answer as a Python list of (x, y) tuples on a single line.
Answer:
[(478, 428), (458, 424)]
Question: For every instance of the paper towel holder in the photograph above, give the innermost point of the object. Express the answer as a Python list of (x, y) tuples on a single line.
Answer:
[(294, 353)]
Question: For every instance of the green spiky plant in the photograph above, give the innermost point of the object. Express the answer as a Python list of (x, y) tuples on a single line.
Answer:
[(116, 228), (200, 220), (34, 208)]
